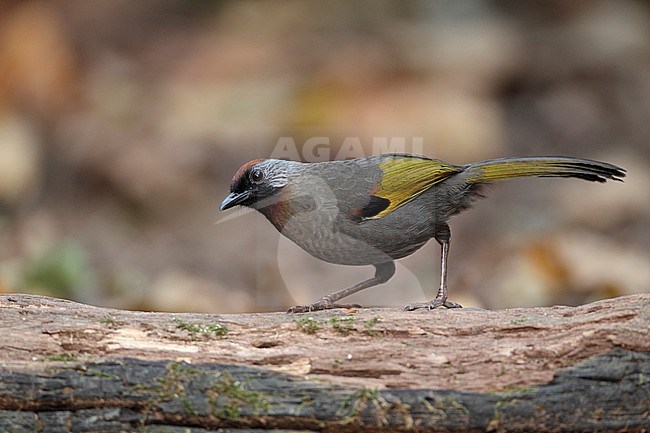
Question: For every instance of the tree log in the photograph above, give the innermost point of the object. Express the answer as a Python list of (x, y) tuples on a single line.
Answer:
[(68, 367)]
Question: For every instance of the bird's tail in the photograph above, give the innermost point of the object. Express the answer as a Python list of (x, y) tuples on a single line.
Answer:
[(544, 166)]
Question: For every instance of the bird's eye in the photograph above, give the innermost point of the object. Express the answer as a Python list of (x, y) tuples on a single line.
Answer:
[(257, 175)]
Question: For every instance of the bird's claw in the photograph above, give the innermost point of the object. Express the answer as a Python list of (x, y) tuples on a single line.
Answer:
[(449, 304), (323, 304), (431, 305)]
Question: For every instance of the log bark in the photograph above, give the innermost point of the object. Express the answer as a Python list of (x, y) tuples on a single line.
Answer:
[(68, 367)]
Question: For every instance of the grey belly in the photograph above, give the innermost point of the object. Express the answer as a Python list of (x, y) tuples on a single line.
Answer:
[(367, 243)]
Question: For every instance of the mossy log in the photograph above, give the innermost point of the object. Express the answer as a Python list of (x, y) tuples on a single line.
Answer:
[(68, 367)]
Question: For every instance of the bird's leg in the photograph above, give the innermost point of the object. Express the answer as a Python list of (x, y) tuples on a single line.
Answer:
[(383, 272), (444, 239)]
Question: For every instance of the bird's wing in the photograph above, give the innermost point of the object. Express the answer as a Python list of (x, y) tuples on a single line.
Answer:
[(403, 179)]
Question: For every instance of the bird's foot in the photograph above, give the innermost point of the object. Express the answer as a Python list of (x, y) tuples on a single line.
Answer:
[(436, 303), (324, 304)]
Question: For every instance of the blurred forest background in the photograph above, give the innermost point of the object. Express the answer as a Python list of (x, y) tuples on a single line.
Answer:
[(122, 122)]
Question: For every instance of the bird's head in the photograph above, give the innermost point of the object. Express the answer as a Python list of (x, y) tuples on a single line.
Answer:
[(257, 183)]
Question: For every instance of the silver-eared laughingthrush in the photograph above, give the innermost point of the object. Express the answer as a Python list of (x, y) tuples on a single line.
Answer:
[(374, 210)]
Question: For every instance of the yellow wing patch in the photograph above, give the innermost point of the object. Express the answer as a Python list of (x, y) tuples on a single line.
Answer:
[(405, 178)]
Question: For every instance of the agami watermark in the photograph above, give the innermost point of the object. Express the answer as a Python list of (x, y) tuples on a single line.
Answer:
[(322, 148)]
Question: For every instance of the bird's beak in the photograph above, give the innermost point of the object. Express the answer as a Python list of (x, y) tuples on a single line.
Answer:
[(234, 198)]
